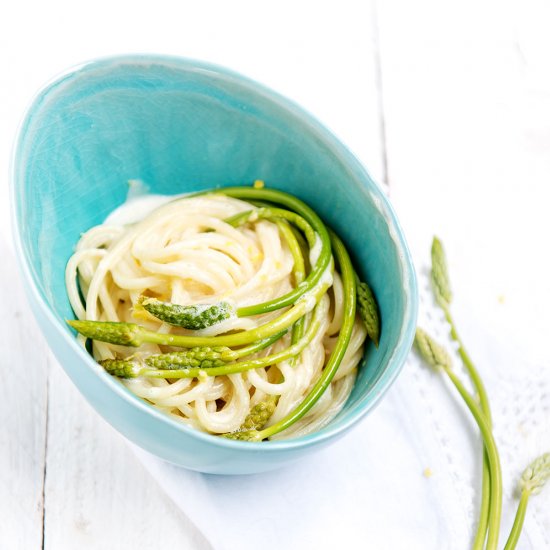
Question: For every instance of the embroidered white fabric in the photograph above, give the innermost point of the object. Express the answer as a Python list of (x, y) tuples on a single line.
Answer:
[(407, 477)]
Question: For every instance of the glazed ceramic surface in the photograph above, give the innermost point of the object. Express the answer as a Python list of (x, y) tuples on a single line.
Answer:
[(182, 126)]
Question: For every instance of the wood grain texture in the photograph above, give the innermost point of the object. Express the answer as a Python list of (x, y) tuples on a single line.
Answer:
[(97, 494), (23, 409), (467, 117)]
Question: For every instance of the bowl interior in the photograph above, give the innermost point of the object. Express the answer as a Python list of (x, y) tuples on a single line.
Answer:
[(182, 126)]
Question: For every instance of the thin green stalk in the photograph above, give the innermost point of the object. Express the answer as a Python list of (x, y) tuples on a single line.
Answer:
[(513, 538), (533, 479), (309, 282), (495, 494), (443, 295), (298, 210), (131, 334), (481, 531), (299, 269), (258, 346), (274, 213), (299, 272), (470, 367), (303, 246), (333, 363), (435, 355), (207, 357), (233, 368)]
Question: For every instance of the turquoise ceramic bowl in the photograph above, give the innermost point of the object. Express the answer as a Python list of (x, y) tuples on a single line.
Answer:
[(179, 126)]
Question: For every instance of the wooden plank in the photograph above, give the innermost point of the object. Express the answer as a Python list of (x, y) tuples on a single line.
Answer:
[(97, 495), (467, 115), (467, 112), (23, 409)]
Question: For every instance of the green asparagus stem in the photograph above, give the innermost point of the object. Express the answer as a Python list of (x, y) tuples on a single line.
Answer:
[(194, 317), (298, 210), (242, 366), (519, 518), (481, 531), (201, 358), (368, 308), (123, 334), (262, 412), (333, 363), (207, 357), (273, 213), (443, 295), (436, 356), (299, 269), (299, 272), (442, 290), (495, 474), (531, 483), (198, 358), (130, 334)]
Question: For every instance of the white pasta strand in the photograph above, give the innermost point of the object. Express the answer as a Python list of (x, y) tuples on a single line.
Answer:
[(183, 252)]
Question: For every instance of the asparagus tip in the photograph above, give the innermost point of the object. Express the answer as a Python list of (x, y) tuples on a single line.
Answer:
[(440, 274), (433, 353), (536, 474), (368, 309), (243, 435), (119, 367), (124, 334)]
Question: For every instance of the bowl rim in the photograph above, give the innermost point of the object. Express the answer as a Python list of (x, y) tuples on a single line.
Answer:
[(395, 361)]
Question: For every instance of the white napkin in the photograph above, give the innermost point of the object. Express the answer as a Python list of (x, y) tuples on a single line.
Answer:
[(407, 477)]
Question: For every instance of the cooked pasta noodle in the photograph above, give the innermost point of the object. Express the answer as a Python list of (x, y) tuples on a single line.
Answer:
[(184, 252)]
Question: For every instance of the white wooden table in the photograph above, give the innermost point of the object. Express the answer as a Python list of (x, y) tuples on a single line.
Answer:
[(447, 103)]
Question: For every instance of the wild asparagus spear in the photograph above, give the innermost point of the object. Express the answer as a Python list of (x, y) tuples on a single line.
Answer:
[(531, 483), (333, 363), (436, 356), (443, 295), (256, 419), (262, 412), (129, 369), (298, 212), (131, 334), (194, 317), (368, 308), (207, 357), (298, 271)]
